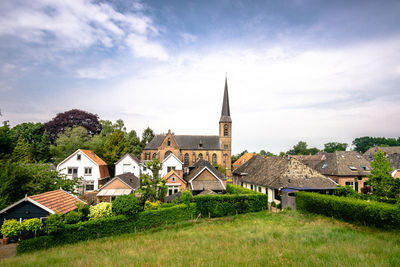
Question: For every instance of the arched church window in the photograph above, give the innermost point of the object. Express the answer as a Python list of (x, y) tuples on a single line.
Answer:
[(200, 156), (167, 154), (169, 142), (154, 156), (226, 130), (186, 160), (214, 158)]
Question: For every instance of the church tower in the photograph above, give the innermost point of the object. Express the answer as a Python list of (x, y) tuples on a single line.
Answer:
[(225, 132)]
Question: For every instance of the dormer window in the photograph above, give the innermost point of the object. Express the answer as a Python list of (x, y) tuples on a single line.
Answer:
[(200, 145), (365, 168), (352, 168), (325, 165), (78, 157)]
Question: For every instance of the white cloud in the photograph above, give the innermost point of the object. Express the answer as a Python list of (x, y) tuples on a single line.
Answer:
[(142, 47)]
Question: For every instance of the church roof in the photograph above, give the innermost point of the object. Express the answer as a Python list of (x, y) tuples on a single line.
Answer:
[(190, 142), (226, 112)]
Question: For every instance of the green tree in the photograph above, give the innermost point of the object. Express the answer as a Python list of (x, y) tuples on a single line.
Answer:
[(301, 149), (69, 141), (381, 180), (151, 186), (6, 141), (362, 144), (42, 151), (334, 146), (147, 136), (115, 147), (134, 143), (22, 151), (237, 156)]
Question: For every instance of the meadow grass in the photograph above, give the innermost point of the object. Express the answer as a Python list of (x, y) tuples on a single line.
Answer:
[(255, 239)]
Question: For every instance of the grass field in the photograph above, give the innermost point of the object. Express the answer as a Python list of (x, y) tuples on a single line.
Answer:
[(262, 238)]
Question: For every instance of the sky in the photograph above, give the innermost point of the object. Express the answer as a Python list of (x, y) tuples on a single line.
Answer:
[(316, 71)]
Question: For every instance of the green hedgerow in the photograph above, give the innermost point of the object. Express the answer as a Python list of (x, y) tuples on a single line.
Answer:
[(72, 217), (54, 224), (126, 205)]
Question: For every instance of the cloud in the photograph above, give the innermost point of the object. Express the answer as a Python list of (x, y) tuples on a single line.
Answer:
[(141, 47)]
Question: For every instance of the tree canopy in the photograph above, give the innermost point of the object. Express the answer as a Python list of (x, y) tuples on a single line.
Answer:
[(334, 146), (301, 148), (362, 144)]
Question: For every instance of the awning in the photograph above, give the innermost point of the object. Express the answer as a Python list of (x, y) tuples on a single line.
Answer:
[(114, 192)]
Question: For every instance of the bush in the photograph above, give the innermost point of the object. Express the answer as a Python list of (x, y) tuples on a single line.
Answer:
[(223, 205), (11, 228), (148, 205), (235, 189), (111, 226), (83, 211), (186, 197), (167, 205), (349, 209), (101, 210), (32, 225), (72, 217), (54, 224), (126, 205), (347, 191)]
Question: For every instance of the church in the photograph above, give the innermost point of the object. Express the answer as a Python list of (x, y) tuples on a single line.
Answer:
[(189, 148)]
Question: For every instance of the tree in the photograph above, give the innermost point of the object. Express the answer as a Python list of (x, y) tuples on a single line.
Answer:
[(381, 180), (237, 156), (334, 146), (19, 179), (6, 141), (115, 147), (69, 141), (29, 131), (71, 118), (152, 187), (301, 149), (147, 136), (134, 143), (42, 151), (22, 151), (266, 153), (362, 144)]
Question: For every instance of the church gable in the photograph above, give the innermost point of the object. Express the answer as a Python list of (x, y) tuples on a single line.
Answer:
[(169, 142)]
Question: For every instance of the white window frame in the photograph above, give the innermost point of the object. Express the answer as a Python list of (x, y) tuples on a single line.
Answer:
[(88, 173)]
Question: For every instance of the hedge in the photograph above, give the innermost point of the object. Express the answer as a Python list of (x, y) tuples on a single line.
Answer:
[(224, 205), (235, 189), (111, 226), (358, 211)]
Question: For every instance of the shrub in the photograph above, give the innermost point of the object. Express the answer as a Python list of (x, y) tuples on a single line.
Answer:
[(54, 224), (186, 197), (167, 205), (32, 225), (348, 191), (83, 211), (110, 226), (235, 189), (148, 205), (349, 209), (126, 205), (101, 210), (223, 205), (11, 228), (72, 217)]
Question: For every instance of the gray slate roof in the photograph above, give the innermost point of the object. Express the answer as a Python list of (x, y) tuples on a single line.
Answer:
[(281, 172), (199, 165), (339, 163), (130, 179), (190, 142)]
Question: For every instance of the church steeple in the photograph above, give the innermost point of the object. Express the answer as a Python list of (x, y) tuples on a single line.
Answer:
[(225, 113)]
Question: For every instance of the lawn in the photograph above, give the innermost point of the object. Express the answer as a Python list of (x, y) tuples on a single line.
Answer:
[(262, 238)]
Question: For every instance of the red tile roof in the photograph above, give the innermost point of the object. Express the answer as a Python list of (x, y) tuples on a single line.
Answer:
[(57, 200), (243, 159), (103, 167)]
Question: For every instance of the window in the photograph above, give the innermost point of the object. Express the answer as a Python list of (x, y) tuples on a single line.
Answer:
[(325, 165), (277, 194), (365, 168), (350, 184), (170, 168), (167, 154), (173, 179), (78, 157), (126, 167), (154, 155), (144, 168), (251, 187), (359, 178), (173, 189), (241, 184), (186, 159), (260, 189), (226, 130), (200, 156), (226, 147), (73, 171), (89, 186), (352, 168), (214, 158), (169, 142), (200, 145), (88, 171)]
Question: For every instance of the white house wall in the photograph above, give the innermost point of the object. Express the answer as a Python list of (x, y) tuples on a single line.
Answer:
[(73, 162), (130, 166), (170, 162)]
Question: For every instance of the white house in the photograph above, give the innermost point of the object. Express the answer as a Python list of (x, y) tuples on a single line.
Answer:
[(85, 164), (171, 162), (128, 164)]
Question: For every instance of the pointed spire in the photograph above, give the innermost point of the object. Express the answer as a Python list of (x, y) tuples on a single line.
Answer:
[(226, 113)]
